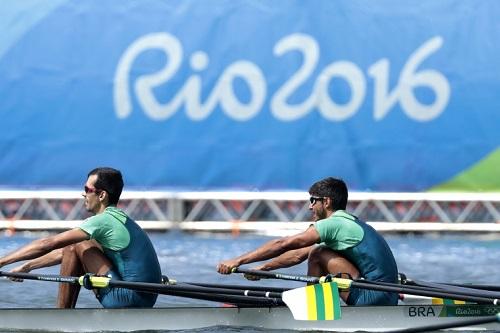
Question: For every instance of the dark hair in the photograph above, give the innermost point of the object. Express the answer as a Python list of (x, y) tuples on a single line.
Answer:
[(109, 180), (332, 188)]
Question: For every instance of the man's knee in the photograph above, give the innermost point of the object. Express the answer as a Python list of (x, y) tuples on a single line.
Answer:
[(82, 247), (319, 253), (92, 257), (69, 250), (331, 261), (77, 250)]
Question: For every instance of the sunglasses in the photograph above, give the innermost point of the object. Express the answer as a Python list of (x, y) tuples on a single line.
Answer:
[(90, 190), (313, 200)]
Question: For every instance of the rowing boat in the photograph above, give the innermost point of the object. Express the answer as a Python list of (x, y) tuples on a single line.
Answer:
[(369, 318), (263, 308)]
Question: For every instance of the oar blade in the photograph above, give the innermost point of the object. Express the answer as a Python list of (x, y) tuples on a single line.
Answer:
[(315, 302), (447, 301)]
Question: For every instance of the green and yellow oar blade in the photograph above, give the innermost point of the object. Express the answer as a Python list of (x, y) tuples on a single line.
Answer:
[(315, 302), (446, 301)]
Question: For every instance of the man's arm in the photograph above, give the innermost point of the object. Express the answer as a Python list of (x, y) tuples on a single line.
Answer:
[(41, 247), (50, 259), (287, 259), (273, 249)]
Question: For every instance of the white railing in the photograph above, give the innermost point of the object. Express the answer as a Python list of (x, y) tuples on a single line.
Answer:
[(163, 210)]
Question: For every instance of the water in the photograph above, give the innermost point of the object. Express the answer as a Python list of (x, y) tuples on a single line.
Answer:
[(194, 257)]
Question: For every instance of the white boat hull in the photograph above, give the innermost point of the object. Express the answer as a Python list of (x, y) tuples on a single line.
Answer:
[(373, 319)]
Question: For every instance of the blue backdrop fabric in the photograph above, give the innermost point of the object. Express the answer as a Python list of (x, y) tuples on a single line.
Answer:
[(251, 95)]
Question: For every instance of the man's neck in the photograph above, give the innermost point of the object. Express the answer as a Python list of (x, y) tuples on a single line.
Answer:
[(330, 213), (101, 209)]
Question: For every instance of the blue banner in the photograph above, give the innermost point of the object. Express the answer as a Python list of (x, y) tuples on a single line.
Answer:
[(251, 95)]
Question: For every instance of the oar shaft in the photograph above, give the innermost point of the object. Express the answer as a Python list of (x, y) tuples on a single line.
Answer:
[(429, 293), (407, 281), (378, 286), (41, 277), (470, 290), (238, 295), (475, 286), (239, 287), (225, 298), (234, 291), (275, 275), (189, 288)]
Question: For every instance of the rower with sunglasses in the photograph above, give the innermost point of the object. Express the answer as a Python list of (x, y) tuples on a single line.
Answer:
[(109, 243), (338, 242)]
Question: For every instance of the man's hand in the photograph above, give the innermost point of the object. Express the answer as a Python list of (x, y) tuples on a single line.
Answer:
[(19, 269), (226, 266)]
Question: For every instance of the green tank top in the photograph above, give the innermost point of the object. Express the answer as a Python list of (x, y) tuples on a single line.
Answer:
[(339, 231)]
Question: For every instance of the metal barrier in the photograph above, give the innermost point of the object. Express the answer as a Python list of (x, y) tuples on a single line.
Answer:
[(175, 208)]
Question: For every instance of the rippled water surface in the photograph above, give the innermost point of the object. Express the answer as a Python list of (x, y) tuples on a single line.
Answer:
[(193, 258)]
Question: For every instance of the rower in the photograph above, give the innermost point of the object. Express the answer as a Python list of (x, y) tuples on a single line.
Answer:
[(346, 244), (109, 243)]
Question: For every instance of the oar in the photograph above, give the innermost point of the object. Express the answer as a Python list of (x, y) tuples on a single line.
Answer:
[(430, 286), (245, 301), (455, 324), (373, 285), (408, 281), (42, 277), (456, 288), (166, 280), (186, 287), (475, 286), (279, 276), (235, 296), (239, 287)]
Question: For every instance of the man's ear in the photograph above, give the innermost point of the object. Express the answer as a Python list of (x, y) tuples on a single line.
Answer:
[(104, 196), (328, 202)]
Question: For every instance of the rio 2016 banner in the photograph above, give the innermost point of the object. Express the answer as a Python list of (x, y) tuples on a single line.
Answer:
[(251, 95)]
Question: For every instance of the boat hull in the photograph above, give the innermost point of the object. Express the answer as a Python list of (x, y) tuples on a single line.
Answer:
[(368, 318)]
